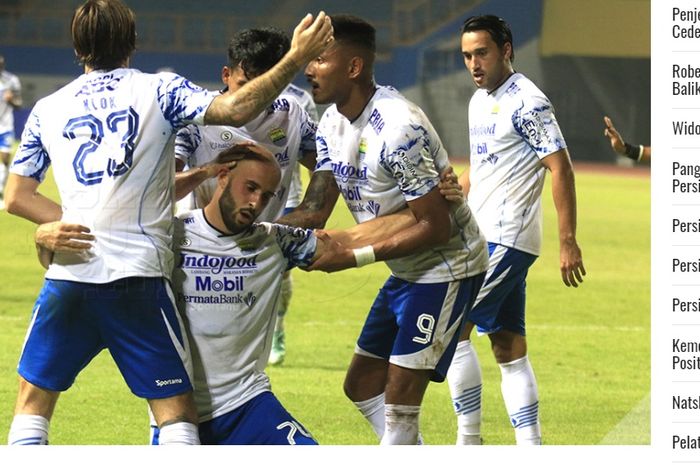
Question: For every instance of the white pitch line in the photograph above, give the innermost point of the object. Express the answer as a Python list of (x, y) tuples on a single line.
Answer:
[(632, 329), (591, 328)]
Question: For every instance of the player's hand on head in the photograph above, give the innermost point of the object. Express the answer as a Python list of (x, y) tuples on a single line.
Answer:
[(616, 141), (571, 264), (63, 237), (311, 37), (450, 188), (331, 255), (213, 169)]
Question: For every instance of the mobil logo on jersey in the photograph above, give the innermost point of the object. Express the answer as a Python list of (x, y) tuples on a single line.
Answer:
[(479, 148), (217, 265), (351, 192), (347, 173), (208, 284)]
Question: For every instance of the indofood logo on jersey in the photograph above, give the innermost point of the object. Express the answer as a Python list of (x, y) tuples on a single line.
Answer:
[(483, 131), (217, 265), (347, 172), (283, 157)]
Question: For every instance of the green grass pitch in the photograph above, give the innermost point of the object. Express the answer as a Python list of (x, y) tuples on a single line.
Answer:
[(590, 347)]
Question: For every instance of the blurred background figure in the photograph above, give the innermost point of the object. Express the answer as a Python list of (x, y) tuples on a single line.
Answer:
[(10, 89), (635, 152)]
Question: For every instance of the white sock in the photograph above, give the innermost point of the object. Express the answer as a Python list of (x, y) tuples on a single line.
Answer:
[(373, 410), (28, 430), (179, 433), (464, 379), (401, 424), (3, 177), (519, 389)]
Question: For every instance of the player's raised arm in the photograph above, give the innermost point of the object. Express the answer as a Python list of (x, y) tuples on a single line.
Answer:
[(311, 37), (635, 152)]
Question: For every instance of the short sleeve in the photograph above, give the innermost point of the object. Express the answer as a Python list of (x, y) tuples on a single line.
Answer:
[(323, 160), (408, 157), (186, 142), (308, 133), (298, 245), (181, 101), (538, 127), (31, 160)]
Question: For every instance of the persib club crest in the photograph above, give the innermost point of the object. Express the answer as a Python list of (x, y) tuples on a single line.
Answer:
[(363, 148), (278, 136)]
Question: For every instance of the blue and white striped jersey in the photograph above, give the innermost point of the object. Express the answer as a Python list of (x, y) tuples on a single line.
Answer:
[(510, 131), (386, 157), (108, 136)]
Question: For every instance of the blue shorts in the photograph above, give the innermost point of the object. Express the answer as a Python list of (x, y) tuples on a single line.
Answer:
[(500, 304), (6, 141), (135, 318), (260, 421), (415, 325)]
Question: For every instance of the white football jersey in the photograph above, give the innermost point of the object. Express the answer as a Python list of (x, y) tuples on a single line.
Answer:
[(510, 131), (108, 136), (285, 129), (296, 190), (389, 155), (8, 81), (226, 288)]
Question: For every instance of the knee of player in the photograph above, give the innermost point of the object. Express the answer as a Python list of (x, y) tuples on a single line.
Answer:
[(349, 388), (508, 351), (354, 388)]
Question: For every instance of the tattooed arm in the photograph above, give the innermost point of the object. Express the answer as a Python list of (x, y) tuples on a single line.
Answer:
[(318, 203), (310, 38)]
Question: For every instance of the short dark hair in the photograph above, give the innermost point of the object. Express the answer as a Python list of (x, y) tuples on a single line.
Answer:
[(257, 50), (239, 152), (498, 29), (104, 33), (354, 30)]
